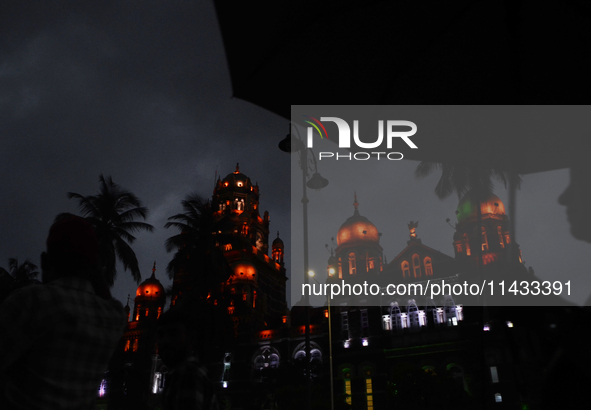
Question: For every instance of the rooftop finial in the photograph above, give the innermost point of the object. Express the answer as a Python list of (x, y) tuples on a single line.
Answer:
[(237, 169), (412, 227), (154, 270), (278, 234), (355, 204), (128, 295)]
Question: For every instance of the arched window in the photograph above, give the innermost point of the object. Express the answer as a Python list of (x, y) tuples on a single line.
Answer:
[(467, 242), (127, 343), (500, 233), (239, 204), (458, 248), (428, 266), (413, 314), (340, 269), (450, 312), (416, 266), (135, 344), (352, 264), (395, 316), (405, 269), (347, 382), (484, 240), (266, 357)]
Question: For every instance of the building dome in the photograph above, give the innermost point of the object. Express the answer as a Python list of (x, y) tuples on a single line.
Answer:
[(151, 288), (357, 229), (491, 206), (237, 181), (277, 242)]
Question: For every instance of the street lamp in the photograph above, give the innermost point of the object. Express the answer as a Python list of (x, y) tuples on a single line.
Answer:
[(311, 274), (295, 144)]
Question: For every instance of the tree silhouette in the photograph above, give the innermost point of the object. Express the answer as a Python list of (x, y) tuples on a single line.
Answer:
[(113, 213), (197, 256), (16, 276), (469, 179)]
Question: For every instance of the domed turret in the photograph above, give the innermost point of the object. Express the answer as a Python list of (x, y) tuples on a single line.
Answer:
[(357, 229), (277, 249), (150, 297), (467, 210)]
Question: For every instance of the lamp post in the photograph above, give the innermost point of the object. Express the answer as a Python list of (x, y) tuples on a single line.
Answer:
[(311, 273), (290, 144)]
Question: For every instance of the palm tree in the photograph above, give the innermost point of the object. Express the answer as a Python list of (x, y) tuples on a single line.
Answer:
[(113, 213), (471, 179), (17, 275), (196, 254)]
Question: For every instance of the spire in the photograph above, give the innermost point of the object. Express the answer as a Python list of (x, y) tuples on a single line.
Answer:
[(237, 168), (128, 296), (278, 234), (154, 270), (356, 204)]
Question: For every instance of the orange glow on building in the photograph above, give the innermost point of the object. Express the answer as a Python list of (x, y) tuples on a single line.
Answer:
[(149, 290), (244, 271)]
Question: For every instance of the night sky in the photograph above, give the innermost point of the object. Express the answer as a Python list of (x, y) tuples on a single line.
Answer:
[(139, 91)]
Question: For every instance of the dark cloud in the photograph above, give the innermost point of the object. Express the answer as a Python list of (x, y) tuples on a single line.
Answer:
[(136, 90)]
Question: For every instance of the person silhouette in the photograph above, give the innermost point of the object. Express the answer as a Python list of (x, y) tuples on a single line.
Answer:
[(57, 337), (577, 198)]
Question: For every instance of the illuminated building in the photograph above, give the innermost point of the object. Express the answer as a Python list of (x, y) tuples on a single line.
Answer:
[(374, 348)]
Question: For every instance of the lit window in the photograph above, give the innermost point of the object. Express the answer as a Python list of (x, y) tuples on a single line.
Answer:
[(239, 183), (254, 298), (428, 267), (498, 398), (346, 344), (509, 324), (228, 247), (135, 343), (500, 236), (244, 296), (127, 343), (347, 379), (225, 385), (486, 328), (467, 243), (405, 269), (484, 240), (395, 316), (386, 322), (413, 314), (365, 342), (370, 264), (369, 391), (416, 266), (493, 374), (147, 311), (352, 265), (159, 312)]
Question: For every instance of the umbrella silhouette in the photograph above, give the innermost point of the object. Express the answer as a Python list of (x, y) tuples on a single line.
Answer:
[(404, 52)]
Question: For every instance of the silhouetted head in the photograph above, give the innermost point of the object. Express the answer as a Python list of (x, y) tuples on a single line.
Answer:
[(72, 249), (577, 199)]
